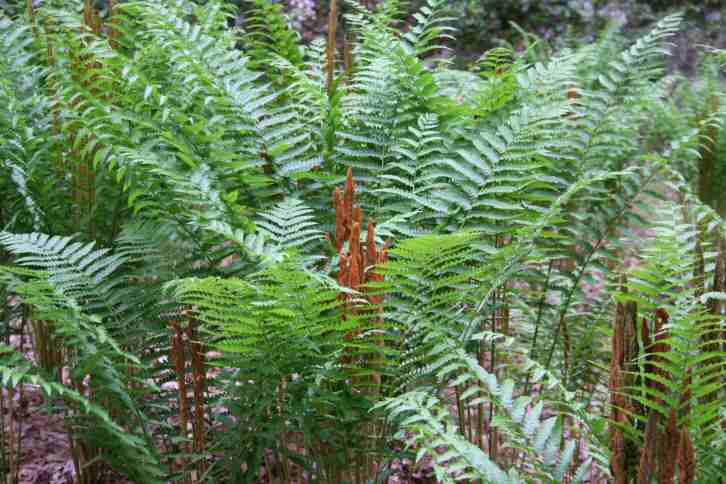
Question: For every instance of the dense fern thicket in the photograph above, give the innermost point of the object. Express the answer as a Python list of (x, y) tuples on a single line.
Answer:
[(227, 256)]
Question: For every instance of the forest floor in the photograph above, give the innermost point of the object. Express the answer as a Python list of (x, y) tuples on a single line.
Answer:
[(44, 450)]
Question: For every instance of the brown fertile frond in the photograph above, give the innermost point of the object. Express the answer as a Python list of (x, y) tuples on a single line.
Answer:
[(686, 458), (355, 271), (348, 57), (343, 264), (349, 188), (356, 267), (647, 454), (371, 249), (668, 457), (618, 460), (332, 42)]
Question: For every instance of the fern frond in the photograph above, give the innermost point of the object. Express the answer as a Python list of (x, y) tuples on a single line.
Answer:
[(77, 269), (290, 224), (269, 36), (430, 28), (682, 368), (427, 423), (89, 349)]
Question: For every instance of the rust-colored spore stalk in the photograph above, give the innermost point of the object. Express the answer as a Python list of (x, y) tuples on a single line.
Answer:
[(666, 445), (356, 265), (358, 261)]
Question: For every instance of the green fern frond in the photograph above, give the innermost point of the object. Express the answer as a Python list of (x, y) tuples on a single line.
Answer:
[(426, 422), (290, 224), (688, 375), (268, 36), (77, 269), (430, 28), (89, 349)]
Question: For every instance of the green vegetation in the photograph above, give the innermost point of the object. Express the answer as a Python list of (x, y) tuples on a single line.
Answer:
[(521, 276)]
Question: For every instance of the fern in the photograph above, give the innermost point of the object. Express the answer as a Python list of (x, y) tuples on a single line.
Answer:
[(283, 334), (78, 270), (167, 185), (90, 350), (684, 370), (24, 124), (269, 36), (289, 224), (430, 28), (427, 424)]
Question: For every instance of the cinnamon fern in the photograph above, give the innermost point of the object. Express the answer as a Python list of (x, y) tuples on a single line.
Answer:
[(229, 255)]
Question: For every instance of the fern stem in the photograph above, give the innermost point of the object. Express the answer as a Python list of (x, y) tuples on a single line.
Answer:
[(537, 324), (332, 43), (199, 388), (284, 464), (460, 410), (18, 418), (595, 247), (30, 10), (116, 217), (178, 360), (492, 370)]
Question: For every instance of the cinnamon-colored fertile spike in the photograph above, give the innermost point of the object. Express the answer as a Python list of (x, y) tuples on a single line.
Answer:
[(618, 463), (340, 218), (371, 249), (356, 276), (349, 192), (358, 216), (647, 454), (354, 242), (670, 441), (343, 270), (686, 458)]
